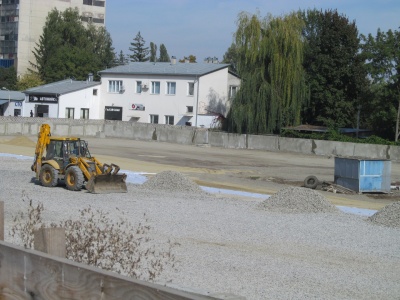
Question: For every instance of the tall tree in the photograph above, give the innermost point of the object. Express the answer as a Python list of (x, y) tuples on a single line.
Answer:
[(334, 69), (100, 43), (121, 59), (8, 78), (230, 57), (164, 57), (270, 57), (67, 48), (153, 52), (382, 55), (139, 51)]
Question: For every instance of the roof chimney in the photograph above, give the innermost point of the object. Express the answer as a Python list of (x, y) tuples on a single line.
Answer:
[(173, 60), (90, 77)]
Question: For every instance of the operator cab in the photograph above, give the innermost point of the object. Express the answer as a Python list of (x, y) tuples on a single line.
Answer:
[(62, 149)]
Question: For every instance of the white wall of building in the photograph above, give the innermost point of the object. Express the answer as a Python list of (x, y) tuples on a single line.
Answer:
[(77, 100), (213, 91), (10, 107), (28, 106), (81, 99), (211, 88)]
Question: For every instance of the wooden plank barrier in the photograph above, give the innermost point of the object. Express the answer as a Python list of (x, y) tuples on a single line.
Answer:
[(29, 274), (50, 241)]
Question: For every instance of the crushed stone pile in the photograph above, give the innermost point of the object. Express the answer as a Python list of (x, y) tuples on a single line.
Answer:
[(388, 216), (298, 200), (172, 181)]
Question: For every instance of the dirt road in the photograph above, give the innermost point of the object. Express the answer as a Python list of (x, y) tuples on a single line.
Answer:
[(246, 170)]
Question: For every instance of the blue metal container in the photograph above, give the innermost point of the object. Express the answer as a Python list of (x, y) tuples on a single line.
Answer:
[(363, 175)]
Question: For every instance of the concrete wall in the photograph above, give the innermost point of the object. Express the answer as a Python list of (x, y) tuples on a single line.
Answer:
[(188, 135)]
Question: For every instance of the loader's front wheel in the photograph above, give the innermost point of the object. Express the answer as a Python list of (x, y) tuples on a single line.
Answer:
[(48, 176), (74, 178)]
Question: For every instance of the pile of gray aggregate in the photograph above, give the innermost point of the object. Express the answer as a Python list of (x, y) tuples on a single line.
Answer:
[(231, 246), (171, 181), (388, 216), (298, 200)]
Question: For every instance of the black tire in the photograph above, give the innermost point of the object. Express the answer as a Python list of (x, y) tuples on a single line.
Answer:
[(48, 176), (311, 182), (74, 178)]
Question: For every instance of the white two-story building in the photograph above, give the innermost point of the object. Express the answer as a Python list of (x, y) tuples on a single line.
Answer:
[(173, 93), (168, 93)]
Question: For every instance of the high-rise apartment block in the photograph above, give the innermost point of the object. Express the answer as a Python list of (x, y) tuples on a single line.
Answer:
[(22, 23)]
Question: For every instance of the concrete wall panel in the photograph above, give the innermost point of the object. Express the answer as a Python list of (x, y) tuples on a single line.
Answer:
[(263, 142), (144, 133), (3, 129), (327, 148), (178, 135), (394, 152), (59, 129), (371, 151), (215, 139), (296, 145), (227, 140), (77, 130), (200, 137), (92, 129), (14, 129)]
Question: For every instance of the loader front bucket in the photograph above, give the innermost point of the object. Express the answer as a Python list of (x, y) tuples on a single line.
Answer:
[(106, 184)]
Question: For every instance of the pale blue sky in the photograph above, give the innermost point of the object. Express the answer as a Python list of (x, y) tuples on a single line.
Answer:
[(205, 27)]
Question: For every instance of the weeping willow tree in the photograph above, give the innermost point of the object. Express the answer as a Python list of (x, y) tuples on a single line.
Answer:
[(273, 90)]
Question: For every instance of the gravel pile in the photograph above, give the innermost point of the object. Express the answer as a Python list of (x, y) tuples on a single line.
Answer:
[(227, 245), (171, 181), (298, 200), (388, 216)]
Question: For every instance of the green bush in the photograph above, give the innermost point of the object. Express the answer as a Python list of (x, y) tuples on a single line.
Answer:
[(334, 135)]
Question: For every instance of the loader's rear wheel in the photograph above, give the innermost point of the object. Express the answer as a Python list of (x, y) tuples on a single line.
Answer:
[(74, 178), (48, 176)]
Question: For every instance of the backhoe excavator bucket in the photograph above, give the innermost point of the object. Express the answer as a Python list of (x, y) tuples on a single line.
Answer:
[(106, 184)]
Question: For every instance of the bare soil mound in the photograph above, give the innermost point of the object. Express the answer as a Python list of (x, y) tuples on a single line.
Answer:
[(172, 181), (20, 141), (298, 200), (388, 216)]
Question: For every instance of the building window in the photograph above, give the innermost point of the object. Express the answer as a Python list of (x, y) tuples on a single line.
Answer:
[(154, 119), (85, 113), (169, 120), (69, 112), (94, 92), (155, 87), (189, 109), (100, 3), (115, 86), (232, 91), (190, 88), (98, 21), (138, 87), (171, 88)]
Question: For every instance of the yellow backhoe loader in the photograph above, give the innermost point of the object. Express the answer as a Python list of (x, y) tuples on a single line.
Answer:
[(68, 159)]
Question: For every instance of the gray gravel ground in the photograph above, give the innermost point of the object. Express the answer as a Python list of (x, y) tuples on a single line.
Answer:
[(231, 246)]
